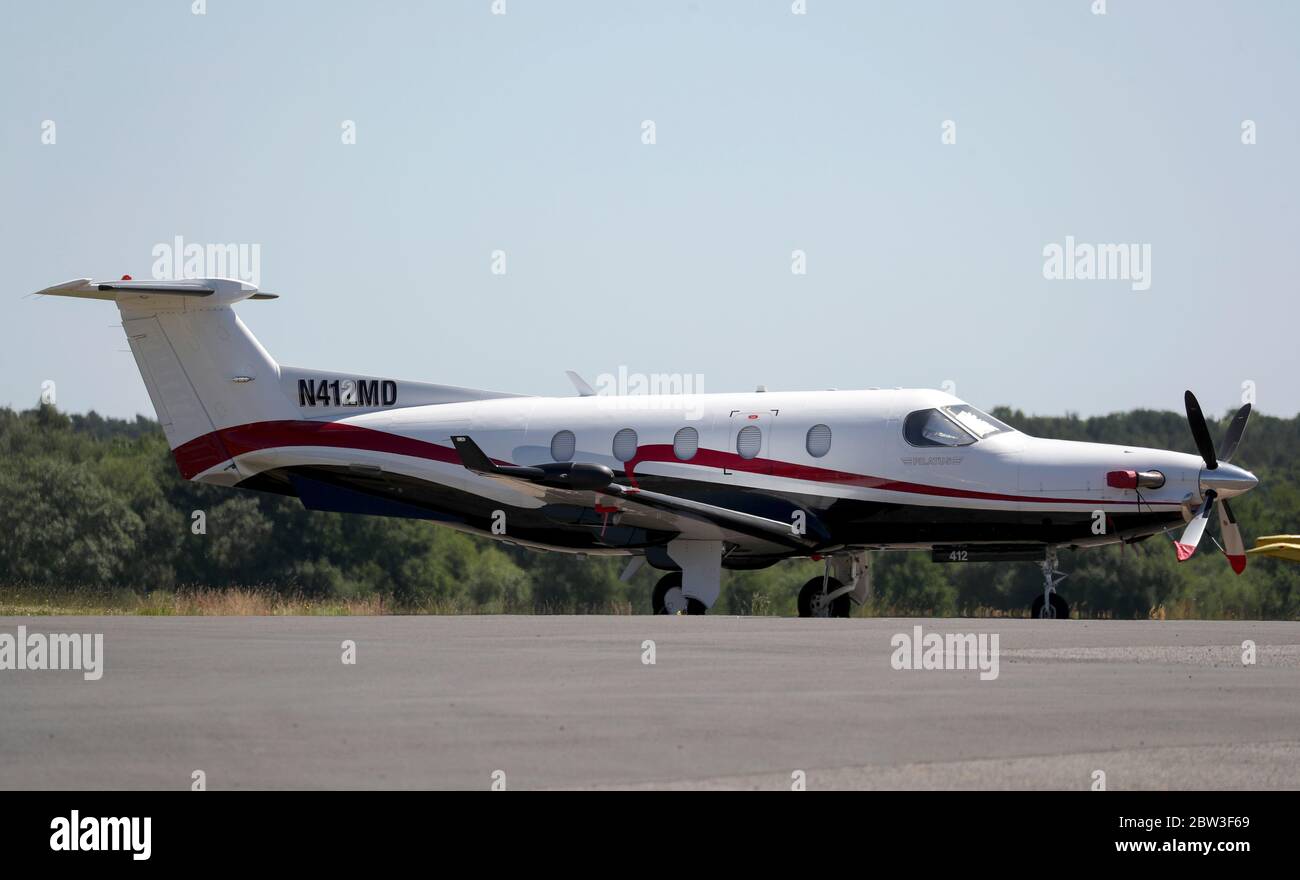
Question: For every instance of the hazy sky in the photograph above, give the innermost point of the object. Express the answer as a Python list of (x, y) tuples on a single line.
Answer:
[(774, 132)]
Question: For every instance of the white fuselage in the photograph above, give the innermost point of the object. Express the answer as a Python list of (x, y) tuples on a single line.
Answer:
[(869, 459)]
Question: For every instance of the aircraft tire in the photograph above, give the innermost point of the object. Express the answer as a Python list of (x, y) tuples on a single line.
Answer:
[(659, 598), (1059, 605), (839, 606)]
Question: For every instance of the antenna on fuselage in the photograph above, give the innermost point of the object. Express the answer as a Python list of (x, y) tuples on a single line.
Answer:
[(584, 389)]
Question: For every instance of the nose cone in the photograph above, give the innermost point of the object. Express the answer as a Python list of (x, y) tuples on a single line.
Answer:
[(1228, 480)]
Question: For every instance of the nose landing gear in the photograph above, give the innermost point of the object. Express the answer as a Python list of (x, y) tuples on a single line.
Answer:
[(846, 581), (1050, 605)]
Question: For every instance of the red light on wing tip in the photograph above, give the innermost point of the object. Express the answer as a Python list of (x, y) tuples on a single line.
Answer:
[(1122, 479), (1184, 551), (1238, 563), (126, 277)]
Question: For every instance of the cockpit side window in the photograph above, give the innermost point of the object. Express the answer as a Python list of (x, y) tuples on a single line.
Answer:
[(932, 427)]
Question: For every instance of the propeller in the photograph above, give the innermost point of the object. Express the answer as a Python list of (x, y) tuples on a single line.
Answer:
[(1233, 546), (1235, 430), (1200, 430), (1186, 545)]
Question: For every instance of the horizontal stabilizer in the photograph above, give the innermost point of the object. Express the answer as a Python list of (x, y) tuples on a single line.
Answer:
[(221, 290)]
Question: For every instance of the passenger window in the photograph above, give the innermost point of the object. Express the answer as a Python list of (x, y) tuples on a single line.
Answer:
[(818, 442), (625, 444), (749, 441), (686, 443), (562, 446)]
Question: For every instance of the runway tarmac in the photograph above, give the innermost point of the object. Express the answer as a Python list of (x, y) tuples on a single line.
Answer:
[(567, 702)]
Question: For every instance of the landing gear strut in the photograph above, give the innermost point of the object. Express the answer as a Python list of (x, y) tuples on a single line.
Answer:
[(694, 588), (1050, 605)]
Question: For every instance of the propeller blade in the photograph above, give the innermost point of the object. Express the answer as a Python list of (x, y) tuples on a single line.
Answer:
[(1233, 547), (1200, 430), (1230, 440), (1186, 545)]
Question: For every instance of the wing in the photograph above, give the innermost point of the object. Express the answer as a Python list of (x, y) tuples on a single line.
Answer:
[(592, 485)]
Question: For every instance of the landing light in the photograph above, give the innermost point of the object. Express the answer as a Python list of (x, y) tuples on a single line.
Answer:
[(1135, 479)]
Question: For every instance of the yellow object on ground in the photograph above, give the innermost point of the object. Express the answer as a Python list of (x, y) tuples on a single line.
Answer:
[(1278, 546)]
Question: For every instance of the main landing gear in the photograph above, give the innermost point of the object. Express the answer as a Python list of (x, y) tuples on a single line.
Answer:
[(668, 597), (694, 589), (1050, 605)]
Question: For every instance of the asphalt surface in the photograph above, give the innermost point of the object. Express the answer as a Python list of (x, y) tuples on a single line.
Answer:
[(443, 702)]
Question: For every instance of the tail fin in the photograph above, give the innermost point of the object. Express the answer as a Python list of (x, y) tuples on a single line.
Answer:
[(206, 373)]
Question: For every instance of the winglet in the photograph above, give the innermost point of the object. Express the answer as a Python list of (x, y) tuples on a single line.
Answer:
[(471, 456), (584, 390), (578, 476)]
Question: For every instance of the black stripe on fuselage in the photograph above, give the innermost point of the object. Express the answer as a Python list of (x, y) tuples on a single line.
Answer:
[(854, 522), (383, 493)]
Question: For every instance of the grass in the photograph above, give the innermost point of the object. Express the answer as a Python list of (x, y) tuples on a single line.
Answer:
[(241, 602), (265, 602), (237, 602)]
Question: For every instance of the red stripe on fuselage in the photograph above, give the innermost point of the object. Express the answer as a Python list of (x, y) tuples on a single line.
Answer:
[(731, 461), (203, 453)]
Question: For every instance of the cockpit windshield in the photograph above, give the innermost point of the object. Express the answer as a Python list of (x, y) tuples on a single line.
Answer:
[(959, 425), (981, 424)]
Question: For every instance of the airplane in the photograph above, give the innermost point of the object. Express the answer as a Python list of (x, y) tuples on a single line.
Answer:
[(690, 485)]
